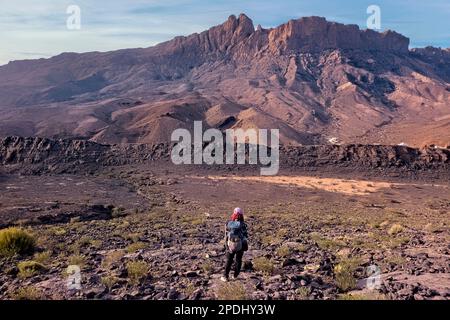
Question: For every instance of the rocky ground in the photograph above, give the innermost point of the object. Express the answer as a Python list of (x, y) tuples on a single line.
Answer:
[(138, 227), (156, 232)]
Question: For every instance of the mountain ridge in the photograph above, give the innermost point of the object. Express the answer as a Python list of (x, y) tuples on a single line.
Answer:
[(317, 81)]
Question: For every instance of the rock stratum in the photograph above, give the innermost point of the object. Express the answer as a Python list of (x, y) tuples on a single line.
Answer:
[(316, 81), (44, 156)]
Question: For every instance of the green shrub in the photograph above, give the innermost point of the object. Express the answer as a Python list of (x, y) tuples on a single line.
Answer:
[(207, 267), (77, 260), (43, 257), (325, 243), (284, 251), (271, 240), (137, 271), (189, 289), (301, 248), (135, 247), (264, 265), (231, 291), (27, 293), (28, 269), (112, 258), (109, 281), (343, 273), (303, 293), (58, 231), (395, 229), (16, 241), (133, 237)]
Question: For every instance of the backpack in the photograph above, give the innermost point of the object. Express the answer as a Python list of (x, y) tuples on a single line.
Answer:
[(235, 236)]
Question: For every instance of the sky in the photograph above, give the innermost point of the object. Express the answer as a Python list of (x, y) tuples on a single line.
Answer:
[(32, 29)]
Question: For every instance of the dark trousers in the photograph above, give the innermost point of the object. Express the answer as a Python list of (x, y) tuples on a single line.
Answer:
[(237, 265)]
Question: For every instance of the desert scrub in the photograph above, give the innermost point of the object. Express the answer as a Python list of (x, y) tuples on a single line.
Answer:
[(344, 274), (74, 248), (388, 241), (111, 258), (263, 265), (189, 289), (135, 247), (395, 259), (76, 260), (124, 224), (395, 229), (84, 242), (282, 233), (58, 231), (28, 269), (15, 241), (137, 271), (374, 224), (302, 293), (208, 267), (326, 244), (133, 237), (231, 291), (109, 281), (271, 240), (284, 251), (301, 248), (43, 257), (27, 293), (192, 220)]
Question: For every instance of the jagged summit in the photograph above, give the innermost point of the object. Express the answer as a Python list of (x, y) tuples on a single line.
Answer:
[(307, 34)]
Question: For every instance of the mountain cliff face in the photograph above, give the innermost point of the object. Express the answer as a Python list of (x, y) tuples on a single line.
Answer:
[(316, 81), (314, 34)]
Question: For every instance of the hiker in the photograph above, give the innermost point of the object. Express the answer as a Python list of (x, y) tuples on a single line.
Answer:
[(235, 243)]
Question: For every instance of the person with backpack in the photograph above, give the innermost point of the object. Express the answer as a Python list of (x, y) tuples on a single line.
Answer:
[(236, 243)]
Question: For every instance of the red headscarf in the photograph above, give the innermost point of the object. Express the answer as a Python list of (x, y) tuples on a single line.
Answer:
[(238, 215)]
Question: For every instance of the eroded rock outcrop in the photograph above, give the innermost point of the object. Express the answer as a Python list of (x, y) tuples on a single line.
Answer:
[(37, 155), (313, 34)]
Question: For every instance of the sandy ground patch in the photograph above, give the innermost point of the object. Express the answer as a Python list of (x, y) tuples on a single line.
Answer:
[(343, 186)]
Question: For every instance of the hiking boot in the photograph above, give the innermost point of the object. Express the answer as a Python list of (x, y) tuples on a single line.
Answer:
[(224, 279)]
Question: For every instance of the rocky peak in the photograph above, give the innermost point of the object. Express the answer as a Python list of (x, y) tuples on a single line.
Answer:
[(312, 34), (242, 26), (228, 34)]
